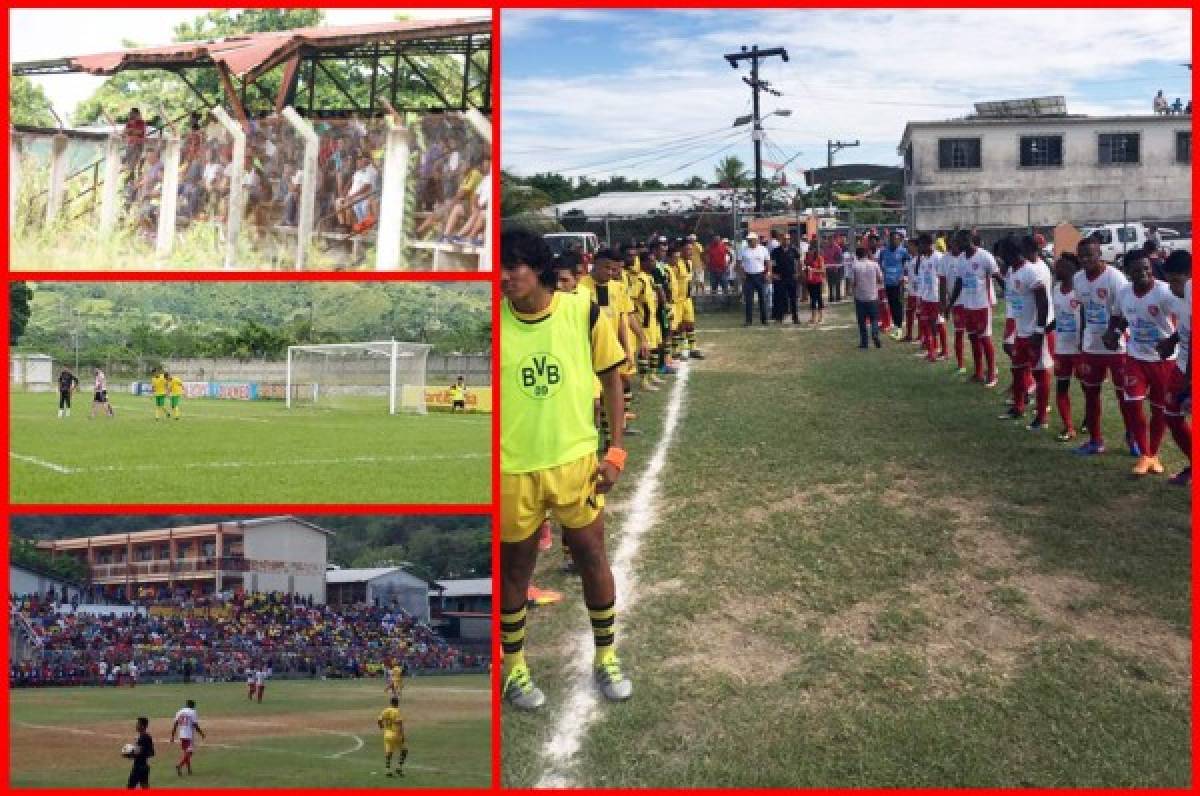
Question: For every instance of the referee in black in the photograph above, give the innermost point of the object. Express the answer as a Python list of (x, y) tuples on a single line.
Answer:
[(67, 384), (139, 775)]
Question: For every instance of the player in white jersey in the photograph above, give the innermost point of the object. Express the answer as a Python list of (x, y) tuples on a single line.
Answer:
[(1066, 339), (952, 263), (250, 672), (1033, 347), (1096, 287), (100, 395), (132, 672), (1144, 307), (260, 681), (930, 292), (1178, 271), (187, 724), (974, 284), (912, 299)]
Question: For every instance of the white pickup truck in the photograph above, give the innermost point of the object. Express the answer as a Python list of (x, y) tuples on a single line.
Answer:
[(560, 242), (1116, 239)]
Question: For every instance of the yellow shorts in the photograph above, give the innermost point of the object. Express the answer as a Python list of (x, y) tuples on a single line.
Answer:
[(676, 312), (392, 744), (567, 492), (629, 366), (687, 311), (653, 334)]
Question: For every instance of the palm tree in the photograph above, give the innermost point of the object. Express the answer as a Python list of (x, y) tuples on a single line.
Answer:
[(731, 173)]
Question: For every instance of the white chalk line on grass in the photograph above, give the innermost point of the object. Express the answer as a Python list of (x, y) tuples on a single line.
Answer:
[(126, 468), (233, 747), (581, 707), (58, 468)]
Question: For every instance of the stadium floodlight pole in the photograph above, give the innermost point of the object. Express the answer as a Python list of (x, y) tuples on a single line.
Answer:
[(308, 186), (754, 55), (236, 190)]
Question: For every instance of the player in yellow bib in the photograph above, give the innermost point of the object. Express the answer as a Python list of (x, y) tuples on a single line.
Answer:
[(176, 385), (395, 679), (551, 344), (158, 386), (687, 307), (394, 743), (458, 396)]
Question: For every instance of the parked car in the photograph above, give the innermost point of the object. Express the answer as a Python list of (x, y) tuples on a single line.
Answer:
[(1116, 239), (561, 242)]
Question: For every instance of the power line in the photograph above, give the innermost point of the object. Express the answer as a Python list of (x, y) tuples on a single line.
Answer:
[(658, 155), (725, 148), (649, 153)]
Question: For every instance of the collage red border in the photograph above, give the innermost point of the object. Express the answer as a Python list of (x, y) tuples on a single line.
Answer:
[(493, 509)]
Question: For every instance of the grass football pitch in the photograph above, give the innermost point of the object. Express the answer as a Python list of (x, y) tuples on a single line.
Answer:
[(856, 575), (305, 734), (244, 452)]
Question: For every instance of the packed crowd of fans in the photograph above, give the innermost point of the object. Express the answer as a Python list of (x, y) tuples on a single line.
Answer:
[(219, 639), (450, 179)]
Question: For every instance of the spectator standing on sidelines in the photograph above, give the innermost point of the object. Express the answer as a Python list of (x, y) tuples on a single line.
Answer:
[(716, 261), (866, 279), (814, 279), (784, 262), (834, 272), (754, 266)]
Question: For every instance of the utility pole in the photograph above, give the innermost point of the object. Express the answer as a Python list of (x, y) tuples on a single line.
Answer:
[(754, 55), (830, 149)]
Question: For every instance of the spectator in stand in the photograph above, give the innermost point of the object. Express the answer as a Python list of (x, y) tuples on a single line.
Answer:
[(135, 140), (1177, 106), (1160, 104)]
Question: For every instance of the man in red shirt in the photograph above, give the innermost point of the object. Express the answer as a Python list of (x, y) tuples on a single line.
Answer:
[(716, 260)]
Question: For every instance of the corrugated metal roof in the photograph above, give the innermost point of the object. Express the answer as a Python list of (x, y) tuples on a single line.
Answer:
[(636, 203), (358, 575), (254, 53), (464, 587)]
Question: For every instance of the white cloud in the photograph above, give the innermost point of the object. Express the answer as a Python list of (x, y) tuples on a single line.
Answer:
[(851, 74)]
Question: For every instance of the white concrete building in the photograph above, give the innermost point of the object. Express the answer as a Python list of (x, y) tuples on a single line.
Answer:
[(25, 580), (381, 586), (1018, 171), (33, 372)]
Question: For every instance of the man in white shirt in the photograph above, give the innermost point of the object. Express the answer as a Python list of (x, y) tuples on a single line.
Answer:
[(755, 265), (866, 280), (187, 723)]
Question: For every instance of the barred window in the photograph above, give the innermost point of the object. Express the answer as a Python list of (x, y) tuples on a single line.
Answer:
[(1120, 148), (1041, 151), (959, 153), (1183, 147)]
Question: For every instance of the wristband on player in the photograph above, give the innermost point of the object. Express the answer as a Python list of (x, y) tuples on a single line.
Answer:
[(615, 457)]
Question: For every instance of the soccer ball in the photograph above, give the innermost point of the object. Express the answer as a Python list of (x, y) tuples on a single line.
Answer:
[(127, 750)]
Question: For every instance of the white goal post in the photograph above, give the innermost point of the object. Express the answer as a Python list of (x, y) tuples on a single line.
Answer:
[(338, 374)]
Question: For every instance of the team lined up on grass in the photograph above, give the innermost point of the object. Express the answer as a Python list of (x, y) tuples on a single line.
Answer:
[(578, 339), (1086, 320)]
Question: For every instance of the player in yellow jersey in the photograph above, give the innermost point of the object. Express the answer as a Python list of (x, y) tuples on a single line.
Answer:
[(395, 679), (607, 289), (678, 275), (551, 344), (696, 251), (175, 385), (458, 396), (158, 386), (641, 293), (394, 742), (687, 307)]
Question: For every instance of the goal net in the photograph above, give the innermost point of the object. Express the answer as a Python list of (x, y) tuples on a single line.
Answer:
[(366, 376)]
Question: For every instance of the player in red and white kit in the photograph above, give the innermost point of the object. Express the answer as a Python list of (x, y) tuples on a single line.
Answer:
[(1144, 307), (187, 723), (930, 286), (1066, 339), (974, 285), (1178, 270), (1009, 261), (260, 682), (250, 686), (912, 299), (1033, 347), (952, 262), (1096, 287)]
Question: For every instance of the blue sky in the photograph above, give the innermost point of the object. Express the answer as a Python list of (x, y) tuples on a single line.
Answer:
[(647, 94)]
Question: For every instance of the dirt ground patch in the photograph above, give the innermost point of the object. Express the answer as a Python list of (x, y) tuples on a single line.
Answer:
[(731, 638)]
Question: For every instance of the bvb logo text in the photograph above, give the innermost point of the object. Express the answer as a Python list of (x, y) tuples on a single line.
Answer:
[(541, 375)]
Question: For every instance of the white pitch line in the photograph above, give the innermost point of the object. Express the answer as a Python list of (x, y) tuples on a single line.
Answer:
[(357, 741), (58, 468), (581, 707)]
